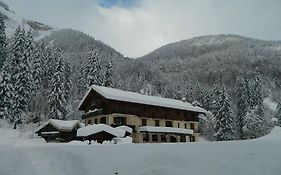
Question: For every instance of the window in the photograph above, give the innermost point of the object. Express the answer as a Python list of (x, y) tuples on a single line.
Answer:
[(182, 138), (143, 122), (120, 121), (163, 138), (192, 126), (154, 138), (192, 138), (169, 124), (179, 125), (89, 122), (157, 123), (96, 121), (185, 125), (103, 120), (144, 137)]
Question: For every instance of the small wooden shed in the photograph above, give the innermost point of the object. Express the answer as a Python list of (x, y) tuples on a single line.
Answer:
[(59, 130)]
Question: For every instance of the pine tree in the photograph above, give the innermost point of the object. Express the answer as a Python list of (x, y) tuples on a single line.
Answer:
[(215, 103), (29, 44), (256, 92), (37, 67), (224, 119), (278, 113), (2, 41), (206, 126), (108, 76), (56, 98), (48, 61), (20, 76), (243, 103), (93, 69), (67, 86), (6, 90), (254, 123)]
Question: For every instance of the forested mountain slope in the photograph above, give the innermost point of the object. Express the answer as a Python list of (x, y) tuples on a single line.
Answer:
[(206, 59)]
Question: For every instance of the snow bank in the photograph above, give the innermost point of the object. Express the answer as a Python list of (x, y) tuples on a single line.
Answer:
[(93, 129), (254, 157), (275, 134), (126, 140)]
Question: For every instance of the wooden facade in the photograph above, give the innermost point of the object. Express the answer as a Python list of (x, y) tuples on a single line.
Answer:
[(97, 101)]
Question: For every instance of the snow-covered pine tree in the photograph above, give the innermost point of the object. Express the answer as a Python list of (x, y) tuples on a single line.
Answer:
[(2, 41), (20, 76), (189, 93), (6, 91), (37, 99), (257, 92), (215, 103), (254, 123), (206, 127), (56, 98), (67, 86), (29, 44), (108, 76), (278, 113), (224, 125), (49, 61), (243, 104), (37, 67), (5, 88), (93, 70), (250, 93)]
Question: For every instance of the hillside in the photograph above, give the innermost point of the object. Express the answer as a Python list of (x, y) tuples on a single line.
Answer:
[(203, 60), (76, 45)]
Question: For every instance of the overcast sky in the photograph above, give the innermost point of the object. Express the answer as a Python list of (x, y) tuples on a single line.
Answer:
[(136, 27)]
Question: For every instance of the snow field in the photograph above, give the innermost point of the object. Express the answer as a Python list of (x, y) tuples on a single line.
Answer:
[(252, 157)]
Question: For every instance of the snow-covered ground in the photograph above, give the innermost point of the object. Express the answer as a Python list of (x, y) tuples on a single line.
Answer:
[(32, 156)]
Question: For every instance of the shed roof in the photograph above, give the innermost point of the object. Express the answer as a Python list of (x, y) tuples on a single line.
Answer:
[(133, 97), (96, 128), (61, 125)]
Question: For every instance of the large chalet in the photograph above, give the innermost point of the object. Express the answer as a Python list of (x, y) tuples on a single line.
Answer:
[(152, 119)]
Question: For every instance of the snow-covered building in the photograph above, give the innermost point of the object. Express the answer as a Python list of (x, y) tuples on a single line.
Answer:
[(100, 133), (59, 130), (152, 119)]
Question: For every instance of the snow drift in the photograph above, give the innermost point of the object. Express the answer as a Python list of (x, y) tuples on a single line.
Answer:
[(252, 157)]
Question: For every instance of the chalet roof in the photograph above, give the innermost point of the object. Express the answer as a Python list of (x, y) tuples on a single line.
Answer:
[(96, 128), (127, 96), (165, 130), (62, 125)]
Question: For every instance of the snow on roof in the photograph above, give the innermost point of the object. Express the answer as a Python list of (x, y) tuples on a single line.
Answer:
[(126, 128), (61, 125), (165, 130), (127, 96), (93, 129)]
